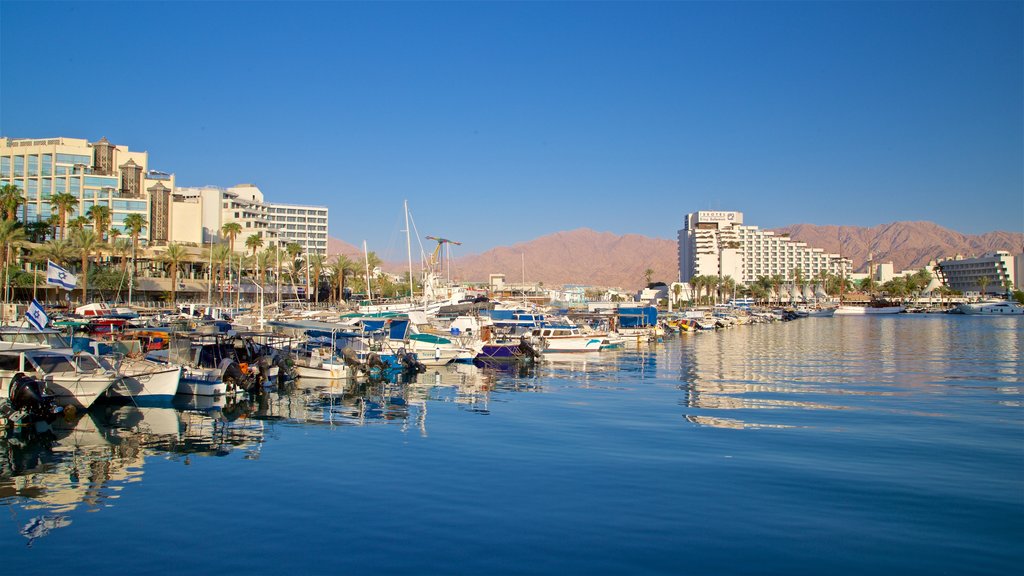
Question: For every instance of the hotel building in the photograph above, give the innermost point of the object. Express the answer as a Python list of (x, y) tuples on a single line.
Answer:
[(962, 274), (717, 243), (96, 173), (245, 204)]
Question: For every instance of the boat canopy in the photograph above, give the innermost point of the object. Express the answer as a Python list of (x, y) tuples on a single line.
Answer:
[(638, 317)]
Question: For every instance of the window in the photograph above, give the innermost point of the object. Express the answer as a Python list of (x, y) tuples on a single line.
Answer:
[(5, 167), (10, 362), (46, 169), (33, 165), (19, 166), (74, 159)]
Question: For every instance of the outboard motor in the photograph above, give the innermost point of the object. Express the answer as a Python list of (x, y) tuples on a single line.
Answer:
[(27, 394), (527, 348), (409, 362)]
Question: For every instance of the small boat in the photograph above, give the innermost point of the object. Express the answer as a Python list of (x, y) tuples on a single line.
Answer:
[(566, 338), (1000, 308), (71, 379)]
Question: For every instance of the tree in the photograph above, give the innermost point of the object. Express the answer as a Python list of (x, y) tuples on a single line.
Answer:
[(64, 204), (122, 248), (316, 267), (59, 251), (174, 255), (647, 275), (220, 255), (36, 231), (78, 223), (677, 292), (776, 281), (983, 283), (254, 242), (134, 223), (10, 200), (341, 267), (85, 242), (12, 234), (100, 216), (231, 230), (727, 285), (868, 285)]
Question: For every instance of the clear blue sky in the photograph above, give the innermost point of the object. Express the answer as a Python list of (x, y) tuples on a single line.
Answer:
[(501, 122)]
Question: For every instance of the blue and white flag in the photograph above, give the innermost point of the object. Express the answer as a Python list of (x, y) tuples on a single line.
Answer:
[(58, 276), (36, 316)]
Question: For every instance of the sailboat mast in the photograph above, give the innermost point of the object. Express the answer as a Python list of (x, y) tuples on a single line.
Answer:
[(366, 260), (408, 248)]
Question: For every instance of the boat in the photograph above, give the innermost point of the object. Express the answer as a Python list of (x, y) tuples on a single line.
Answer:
[(71, 379), (870, 310), (1000, 308), (566, 338)]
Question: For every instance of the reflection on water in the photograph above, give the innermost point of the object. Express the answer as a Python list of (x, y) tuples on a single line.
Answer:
[(806, 379), (841, 363)]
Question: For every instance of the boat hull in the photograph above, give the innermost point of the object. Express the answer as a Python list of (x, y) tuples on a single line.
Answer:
[(867, 310), (151, 384)]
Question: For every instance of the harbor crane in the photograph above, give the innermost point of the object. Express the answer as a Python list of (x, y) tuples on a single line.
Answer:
[(435, 257)]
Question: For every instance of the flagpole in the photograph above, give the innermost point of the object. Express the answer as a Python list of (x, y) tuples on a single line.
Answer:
[(35, 279)]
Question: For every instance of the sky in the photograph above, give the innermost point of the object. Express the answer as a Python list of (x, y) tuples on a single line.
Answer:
[(503, 121)]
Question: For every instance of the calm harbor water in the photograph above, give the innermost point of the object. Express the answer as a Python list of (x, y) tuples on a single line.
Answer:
[(840, 446)]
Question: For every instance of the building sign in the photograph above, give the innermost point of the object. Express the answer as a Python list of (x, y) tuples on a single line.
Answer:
[(716, 216)]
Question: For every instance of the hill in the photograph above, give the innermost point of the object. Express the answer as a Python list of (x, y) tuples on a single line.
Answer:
[(908, 245), (586, 256)]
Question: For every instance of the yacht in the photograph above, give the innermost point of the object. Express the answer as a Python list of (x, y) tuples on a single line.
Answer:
[(1000, 308), (566, 338)]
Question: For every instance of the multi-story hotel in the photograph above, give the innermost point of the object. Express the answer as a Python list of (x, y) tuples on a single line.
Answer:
[(717, 243), (244, 203), (93, 172), (962, 274)]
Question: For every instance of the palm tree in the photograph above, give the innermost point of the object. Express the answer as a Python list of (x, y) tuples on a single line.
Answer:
[(12, 234), (697, 285), (647, 275), (85, 243), (316, 266), (100, 216), (65, 204), (122, 249), (677, 291), (174, 254), (231, 230), (254, 242), (10, 199), (341, 267), (59, 251), (727, 284), (983, 283), (868, 285), (78, 223), (220, 256), (777, 280), (134, 223)]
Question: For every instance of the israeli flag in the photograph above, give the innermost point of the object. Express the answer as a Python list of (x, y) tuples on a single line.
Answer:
[(58, 276), (36, 316)]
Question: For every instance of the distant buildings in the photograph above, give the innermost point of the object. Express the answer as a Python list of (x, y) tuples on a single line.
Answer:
[(102, 173), (962, 274), (716, 243)]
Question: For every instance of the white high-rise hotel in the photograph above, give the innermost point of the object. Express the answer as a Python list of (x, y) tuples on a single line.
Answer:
[(715, 243)]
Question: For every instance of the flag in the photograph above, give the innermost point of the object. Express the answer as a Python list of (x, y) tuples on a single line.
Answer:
[(60, 277), (36, 316)]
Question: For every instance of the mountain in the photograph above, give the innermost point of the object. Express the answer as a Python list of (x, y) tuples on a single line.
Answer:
[(585, 256), (582, 256), (908, 245), (336, 246)]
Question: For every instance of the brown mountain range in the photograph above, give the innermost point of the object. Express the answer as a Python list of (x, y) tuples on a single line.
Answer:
[(585, 256)]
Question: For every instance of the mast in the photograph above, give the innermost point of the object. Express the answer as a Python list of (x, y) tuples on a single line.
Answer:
[(408, 248), (366, 261)]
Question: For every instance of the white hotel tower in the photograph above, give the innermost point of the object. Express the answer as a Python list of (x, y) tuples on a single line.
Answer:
[(715, 243)]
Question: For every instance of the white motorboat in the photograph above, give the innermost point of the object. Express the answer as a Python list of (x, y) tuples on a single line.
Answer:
[(145, 380), (561, 339), (1000, 308), (73, 380), (848, 310)]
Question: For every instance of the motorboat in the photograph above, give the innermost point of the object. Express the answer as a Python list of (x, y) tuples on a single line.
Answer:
[(71, 379), (850, 310), (1000, 308), (566, 338)]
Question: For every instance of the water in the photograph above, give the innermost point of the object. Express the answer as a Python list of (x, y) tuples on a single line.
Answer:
[(840, 446)]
